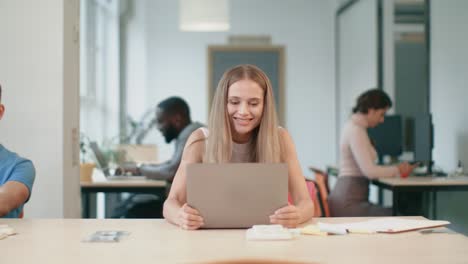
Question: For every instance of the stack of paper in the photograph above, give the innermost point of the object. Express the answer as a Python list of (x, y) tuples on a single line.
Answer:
[(269, 232), (379, 225), (6, 231)]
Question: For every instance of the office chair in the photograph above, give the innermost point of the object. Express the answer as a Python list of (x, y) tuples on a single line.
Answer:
[(315, 196), (321, 179), (312, 189)]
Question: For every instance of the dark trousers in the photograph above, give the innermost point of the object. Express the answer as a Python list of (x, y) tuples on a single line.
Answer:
[(140, 206), (350, 198)]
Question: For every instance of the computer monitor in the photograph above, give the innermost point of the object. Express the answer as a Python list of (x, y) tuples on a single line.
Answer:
[(388, 137), (423, 139)]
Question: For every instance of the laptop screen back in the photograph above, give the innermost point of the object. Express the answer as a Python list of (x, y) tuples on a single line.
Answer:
[(237, 195), (101, 160)]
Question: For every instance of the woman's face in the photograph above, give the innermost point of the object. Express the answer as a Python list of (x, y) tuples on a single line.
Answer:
[(376, 116), (245, 108)]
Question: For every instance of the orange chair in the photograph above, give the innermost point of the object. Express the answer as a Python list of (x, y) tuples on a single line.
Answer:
[(314, 195), (312, 189), (321, 179)]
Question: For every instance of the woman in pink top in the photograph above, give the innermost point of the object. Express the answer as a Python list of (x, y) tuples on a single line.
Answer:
[(242, 127), (357, 159)]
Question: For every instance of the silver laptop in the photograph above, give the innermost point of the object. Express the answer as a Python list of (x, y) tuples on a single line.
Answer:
[(104, 165), (237, 195)]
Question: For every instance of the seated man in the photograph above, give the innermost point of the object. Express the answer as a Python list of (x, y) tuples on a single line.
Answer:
[(174, 122), (16, 179)]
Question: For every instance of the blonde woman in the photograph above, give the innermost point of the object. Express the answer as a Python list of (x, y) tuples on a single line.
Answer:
[(242, 127)]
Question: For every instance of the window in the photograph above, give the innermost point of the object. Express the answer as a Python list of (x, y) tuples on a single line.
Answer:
[(99, 80)]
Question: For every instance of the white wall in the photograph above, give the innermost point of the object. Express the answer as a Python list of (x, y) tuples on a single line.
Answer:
[(177, 65), (357, 68), (388, 46), (135, 46), (449, 91), (449, 95), (32, 77)]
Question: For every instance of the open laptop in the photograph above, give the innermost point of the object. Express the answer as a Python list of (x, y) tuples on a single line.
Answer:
[(104, 165), (237, 195)]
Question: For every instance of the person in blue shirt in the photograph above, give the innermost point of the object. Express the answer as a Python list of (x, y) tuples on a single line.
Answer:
[(16, 179)]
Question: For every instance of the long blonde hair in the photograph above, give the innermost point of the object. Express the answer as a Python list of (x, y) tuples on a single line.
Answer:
[(265, 140)]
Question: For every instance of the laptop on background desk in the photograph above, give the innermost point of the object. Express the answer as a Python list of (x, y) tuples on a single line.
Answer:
[(104, 165), (237, 195)]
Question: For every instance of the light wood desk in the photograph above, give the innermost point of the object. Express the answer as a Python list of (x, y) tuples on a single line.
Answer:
[(119, 186), (156, 241), (422, 184)]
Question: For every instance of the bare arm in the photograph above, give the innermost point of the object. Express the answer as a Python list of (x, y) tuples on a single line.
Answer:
[(175, 209), (163, 171), (303, 208), (12, 195)]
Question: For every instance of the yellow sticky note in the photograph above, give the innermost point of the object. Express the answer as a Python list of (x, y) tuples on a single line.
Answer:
[(360, 231), (313, 230)]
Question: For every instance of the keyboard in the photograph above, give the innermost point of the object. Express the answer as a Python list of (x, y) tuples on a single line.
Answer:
[(126, 177)]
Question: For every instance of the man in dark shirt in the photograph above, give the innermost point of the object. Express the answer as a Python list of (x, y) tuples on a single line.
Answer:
[(174, 122)]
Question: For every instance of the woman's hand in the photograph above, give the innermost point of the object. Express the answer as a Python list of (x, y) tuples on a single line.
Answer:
[(405, 169), (288, 216), (189, 218)]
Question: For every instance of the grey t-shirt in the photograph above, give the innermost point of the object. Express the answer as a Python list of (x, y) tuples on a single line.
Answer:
[(167, 170)]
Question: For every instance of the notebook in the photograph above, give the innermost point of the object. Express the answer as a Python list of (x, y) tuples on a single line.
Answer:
[(237, 195)]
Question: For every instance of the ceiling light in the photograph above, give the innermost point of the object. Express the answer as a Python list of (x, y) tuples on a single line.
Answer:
[(204, 15)]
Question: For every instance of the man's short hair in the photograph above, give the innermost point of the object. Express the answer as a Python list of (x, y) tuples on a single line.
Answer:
[(175, 105)]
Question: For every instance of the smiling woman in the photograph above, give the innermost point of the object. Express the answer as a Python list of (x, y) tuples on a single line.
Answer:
[(269, 58), (250, 115), (243, 127), (245, 107)]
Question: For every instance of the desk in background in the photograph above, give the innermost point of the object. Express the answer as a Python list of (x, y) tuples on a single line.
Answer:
[(157, 241), (425, 184), (158, 188), (428, 186)]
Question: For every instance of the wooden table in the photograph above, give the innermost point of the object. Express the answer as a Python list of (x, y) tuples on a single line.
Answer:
[(422, 184), (119, 186), (156, 241)]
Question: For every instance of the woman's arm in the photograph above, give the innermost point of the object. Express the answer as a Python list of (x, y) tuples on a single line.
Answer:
[(303, 208), (176, 209)]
